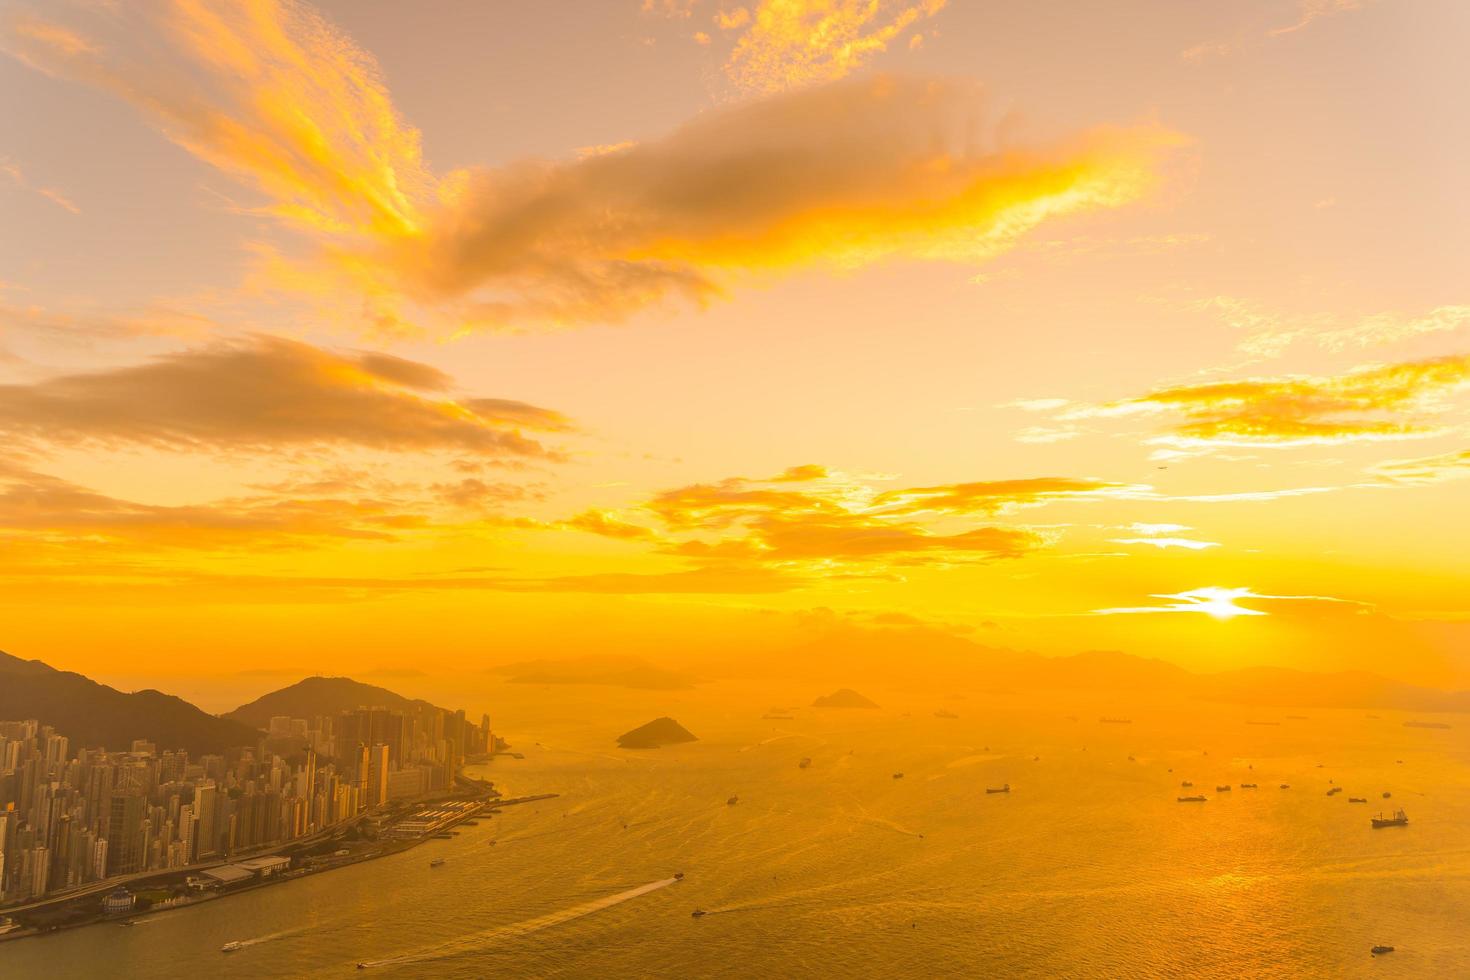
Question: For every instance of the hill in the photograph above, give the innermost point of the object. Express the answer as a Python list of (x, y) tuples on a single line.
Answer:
[(844, 698), (660, 731), (93, 714), (319, 696)]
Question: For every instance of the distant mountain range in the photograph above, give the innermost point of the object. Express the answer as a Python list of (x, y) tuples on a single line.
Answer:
[(319, 696), (608, 671), (94, 715)]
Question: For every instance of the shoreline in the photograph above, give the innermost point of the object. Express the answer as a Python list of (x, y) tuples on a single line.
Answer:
[(489, 805)]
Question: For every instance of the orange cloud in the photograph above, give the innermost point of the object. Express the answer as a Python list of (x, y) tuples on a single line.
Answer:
[(808, 521), (268, 392), (1368, 404), (836, 176), (791, 43)]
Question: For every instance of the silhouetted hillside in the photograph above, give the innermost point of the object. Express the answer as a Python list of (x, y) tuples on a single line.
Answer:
[(95, 715), (319, 696)]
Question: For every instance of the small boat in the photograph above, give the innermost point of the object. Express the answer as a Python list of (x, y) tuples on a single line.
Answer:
[(678, 876), (228, 947), (1247, 785), (1380, 950), (362, 966), (898, 775), (698, 912), (732, 801), (998, 789), (1334, 791), (1387, 795), (1187, 784), (1223, 789), (1131, 759), (805, 763), (1191, 799), (437, 862), (1399, 819), (492, 842), (1357, 799), (1286, 785)]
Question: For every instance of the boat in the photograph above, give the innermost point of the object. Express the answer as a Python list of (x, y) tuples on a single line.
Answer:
[(1387, 795), (1286, 785), (1357, 799), (1187, 785), (732, 801), (1191, 799), (998, 789), (1223, 789), (1380, 950), (1131, 759), (898, 775), (698, 912), (1399, 819), (1247, 785), (437, 862), (230, 946), (1334, 791), (805, 763), (678, 876)]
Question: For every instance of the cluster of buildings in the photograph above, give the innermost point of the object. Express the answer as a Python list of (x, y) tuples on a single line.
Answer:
[(71, 818)]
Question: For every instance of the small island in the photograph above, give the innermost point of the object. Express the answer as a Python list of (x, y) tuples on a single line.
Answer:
[(659, 732), (845, 698)]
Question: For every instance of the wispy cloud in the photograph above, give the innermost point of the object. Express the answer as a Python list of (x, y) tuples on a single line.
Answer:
[(1426, 469), (1376, 403), (1311, 11), (1189, 544), (9, 171), (786, 44)]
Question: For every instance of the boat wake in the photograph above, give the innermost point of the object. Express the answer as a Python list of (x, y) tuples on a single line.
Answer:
[(268, 938), (485, 940)]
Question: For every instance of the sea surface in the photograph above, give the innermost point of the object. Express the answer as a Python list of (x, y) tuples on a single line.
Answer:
[(1088, 867)]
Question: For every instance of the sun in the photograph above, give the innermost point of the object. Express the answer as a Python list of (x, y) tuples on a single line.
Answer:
[(1217, 602)]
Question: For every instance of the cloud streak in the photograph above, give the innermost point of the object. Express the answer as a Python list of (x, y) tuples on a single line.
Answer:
[(265, 393), (1369, 404)]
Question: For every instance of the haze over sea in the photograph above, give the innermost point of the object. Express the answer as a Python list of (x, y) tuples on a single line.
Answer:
[(1088, 867)]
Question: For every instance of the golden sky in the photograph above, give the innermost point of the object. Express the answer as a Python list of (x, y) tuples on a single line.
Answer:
[(359, 333)]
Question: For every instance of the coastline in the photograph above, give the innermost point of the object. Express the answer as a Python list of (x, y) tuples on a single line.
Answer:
[(483, 792)]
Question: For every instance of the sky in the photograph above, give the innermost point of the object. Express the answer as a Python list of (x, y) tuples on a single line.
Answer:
[(368, 334)]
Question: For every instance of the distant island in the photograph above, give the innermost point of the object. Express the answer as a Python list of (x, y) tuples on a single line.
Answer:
[(845, 698), (659, 732)]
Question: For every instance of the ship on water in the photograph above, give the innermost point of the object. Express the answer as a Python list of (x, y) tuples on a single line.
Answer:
[(998, 789), (1191, 799), (1399, 819), (231, 946), (437, 862), (805, 763)]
